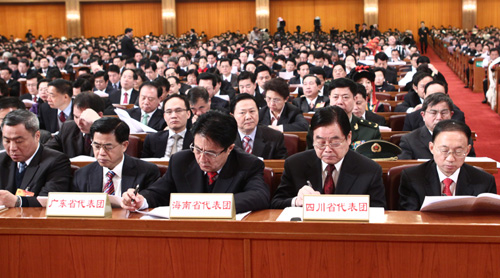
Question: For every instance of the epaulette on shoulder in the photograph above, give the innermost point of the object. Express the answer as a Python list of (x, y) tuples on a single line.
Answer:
[(368, 123)]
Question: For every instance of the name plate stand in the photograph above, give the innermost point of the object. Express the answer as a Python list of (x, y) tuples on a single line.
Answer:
[(202, 206), (78, 205), (336, 208)]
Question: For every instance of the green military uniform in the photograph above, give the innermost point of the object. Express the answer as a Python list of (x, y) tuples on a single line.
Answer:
[(362, 131)]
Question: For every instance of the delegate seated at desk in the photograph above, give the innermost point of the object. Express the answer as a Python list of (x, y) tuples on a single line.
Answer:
[(212, 165), (331, 168), (26, 164), (445, 174)]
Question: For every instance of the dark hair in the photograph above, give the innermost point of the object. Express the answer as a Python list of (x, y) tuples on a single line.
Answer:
[(318, 71), (159, 91), (177, 80), (319, 55), (419, 76), (379, 69), (246, 75), (224, 60), (162, 82), (26, 62), (7, 69), (101, 73), (196, 93), (360, 90), (114, 68), (433, 82), (262, 68), (331, 115), (239, 98), (318, 82), (495, 49), (423, 59), (213, 53), (218, 127), (62, 86), (436, 98), (22, 116), (344, 83), (183, 98), (299, 65), (208, 76), (90, 100), (111, 125), (381, 56), (140, 73), (11, 102), (278, 85), (451, 125), (192, 71)]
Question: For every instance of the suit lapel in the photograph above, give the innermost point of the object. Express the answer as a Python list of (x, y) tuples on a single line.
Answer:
[(129, 172), (96, 178), (314, 172), (238, 141), (31, 170), (226, 176), (259, 145), (433, 187), (162, 143), (425, 137), (464, 183), (347, 176), (195, 178)]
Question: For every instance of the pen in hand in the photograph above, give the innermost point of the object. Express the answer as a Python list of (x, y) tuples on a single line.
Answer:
[(309, 184), (135, 193)]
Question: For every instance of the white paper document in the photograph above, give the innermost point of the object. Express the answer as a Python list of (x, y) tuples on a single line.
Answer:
[(483, 202), (164, 213), (134, 125)]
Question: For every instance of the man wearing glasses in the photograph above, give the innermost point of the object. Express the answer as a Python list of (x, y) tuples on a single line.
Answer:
[(114, 171), (148, 112), (446, 174), (165, 143), (331, 167), (212, 165)]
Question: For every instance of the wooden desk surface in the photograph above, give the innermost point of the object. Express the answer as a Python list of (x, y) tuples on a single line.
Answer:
[(406, 244)]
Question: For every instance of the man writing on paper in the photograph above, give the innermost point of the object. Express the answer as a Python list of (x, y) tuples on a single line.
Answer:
[(27, 169), (446, 174), (114, 171), (330, 168), (212, 165)]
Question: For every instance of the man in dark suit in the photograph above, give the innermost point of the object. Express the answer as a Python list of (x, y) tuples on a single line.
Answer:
[(74, 137), (360, 108), (149, 112), (177, 137), (23, 69), (279, 114), (319, 61), (255, 139), (423, 32), (14, 86), (311, 101), (213, 166), (32, 86), (445, 174), (209, 82), (331, 168), (27, 168), (414, 98), (247, 85), (114, 172), (58, 107), (114, 78), (128, 48), (127, 94), (8, 104), (391, 74), (303, 70), (175, 72), (226, 75), (62, 66), (415, 145)]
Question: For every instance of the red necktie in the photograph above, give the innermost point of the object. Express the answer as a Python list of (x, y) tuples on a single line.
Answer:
[(212, 177), (329, 187), (125, 98), (246, 144), (62, 118), (34, 98), (447, 182), (109, 188)]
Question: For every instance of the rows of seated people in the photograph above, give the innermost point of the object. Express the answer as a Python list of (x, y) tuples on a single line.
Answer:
[(217, 108)]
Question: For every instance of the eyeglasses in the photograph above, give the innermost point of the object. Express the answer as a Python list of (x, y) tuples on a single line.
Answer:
[(332, 145), (344, 97), (106, 147), (176, 111), (209, 154), (443, 113), (274, 100), (456, 153)]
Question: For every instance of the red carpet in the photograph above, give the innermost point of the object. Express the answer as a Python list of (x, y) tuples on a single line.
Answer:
[(480, 118)]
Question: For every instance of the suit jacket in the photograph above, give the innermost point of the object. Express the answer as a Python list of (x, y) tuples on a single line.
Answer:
[(48, 171), (28, 96), (391, 75), (302, 104), (155, 122), (358, 175), (128, 48), (233, 80), (184, 88), (294, 80), (16, 74), (110, 86), (219, 104), (268, 144), (411, 99), (15, 88), (423, 180), (115, 96), (135, 172), (242, 174), (155, 144), (385, 87), (259, 98), (291, 118), (415, 145), (374, 118), (328, 72), (414, 120), (49, 119), (70, 141)]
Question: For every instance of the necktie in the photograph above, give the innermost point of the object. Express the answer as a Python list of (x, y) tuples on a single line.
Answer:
[(329, 187), (145, 119), (212, 177), (115, 86), (125, 98), (311, 105), (62, 118), (174, 146), (447, 182), (109, 188), (246, 144), (87, 144), (34, 98), (20, 174)]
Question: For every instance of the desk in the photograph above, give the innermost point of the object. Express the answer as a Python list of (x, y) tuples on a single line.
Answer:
[(406, 244)]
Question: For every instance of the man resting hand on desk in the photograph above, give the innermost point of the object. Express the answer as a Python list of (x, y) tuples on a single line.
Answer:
[(212, 165)]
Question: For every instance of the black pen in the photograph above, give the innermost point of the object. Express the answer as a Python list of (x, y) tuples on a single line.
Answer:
[(135, 192)]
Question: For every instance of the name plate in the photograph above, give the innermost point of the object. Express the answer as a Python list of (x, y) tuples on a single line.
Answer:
[(336, 207), (78, 205), (202, 206)]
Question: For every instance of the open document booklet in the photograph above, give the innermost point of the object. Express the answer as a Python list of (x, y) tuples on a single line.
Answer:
[(483, 202)]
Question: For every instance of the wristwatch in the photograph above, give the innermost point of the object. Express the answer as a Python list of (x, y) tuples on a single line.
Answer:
[(18, 202)]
